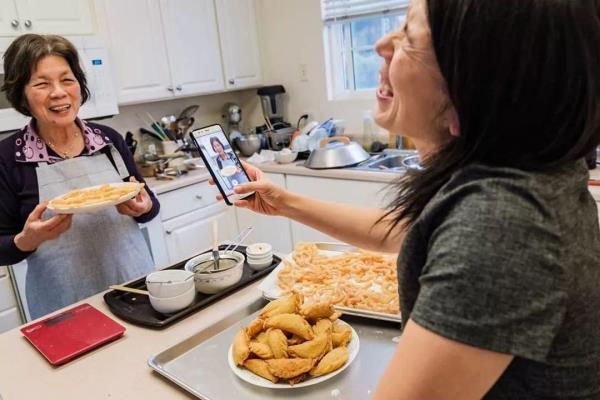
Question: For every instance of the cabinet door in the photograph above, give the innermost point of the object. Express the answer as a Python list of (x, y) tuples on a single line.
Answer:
[(193, 46), (239, 43), (190, 234), (359, 193), (133, 29), (62, 17), (273, 230), (10, 25)]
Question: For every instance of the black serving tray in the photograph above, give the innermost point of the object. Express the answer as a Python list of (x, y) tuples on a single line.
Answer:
[(136, 308)]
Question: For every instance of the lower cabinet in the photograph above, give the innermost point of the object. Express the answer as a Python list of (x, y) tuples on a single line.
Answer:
[(10, 317)]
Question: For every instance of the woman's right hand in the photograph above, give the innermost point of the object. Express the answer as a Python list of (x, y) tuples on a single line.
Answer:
[(37, 230), (268, 198)]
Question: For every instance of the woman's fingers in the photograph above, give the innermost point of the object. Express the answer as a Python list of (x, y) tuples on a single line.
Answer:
[(63, 226), (38, 211), (258, 186), (53, 222)]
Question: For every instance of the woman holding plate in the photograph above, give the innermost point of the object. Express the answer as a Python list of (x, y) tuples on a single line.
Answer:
[(498, 237), (68, 257)]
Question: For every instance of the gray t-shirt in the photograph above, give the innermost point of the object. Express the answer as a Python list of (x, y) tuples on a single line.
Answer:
[(509, 261)]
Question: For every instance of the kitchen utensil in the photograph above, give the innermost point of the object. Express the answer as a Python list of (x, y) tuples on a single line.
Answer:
[(169, 282), (122, 288), (209, 281), (156, 126), (259, 255), (280, 138), (336, 152), (215, 247), (168, 305), (189, 111), (152, 133), (130, 142), (239, 239), (412, 162), (247, 144)]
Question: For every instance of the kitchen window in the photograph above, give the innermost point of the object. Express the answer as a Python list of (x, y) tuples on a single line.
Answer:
[(350, 30)]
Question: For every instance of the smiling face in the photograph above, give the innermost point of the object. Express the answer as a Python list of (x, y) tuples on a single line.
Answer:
[(53, 93), (411, 98)]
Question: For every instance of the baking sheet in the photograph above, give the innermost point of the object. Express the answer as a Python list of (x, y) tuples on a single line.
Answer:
[(199, 363), (271, 291)]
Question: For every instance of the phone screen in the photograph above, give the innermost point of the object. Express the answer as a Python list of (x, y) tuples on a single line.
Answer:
[(220, 158)]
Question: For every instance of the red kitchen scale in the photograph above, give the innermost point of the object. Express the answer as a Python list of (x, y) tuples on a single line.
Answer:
[(64, 336)]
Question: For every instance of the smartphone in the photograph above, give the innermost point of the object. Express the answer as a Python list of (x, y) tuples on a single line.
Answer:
[(222, 162)]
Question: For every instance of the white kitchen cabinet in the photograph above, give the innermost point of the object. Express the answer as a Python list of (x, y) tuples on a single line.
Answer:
[(359, 193), (239, 43), (9, 312), (61, 17), (190, 234), (273, 230)]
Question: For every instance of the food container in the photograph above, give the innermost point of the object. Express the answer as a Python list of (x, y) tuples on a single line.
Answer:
[(169, 283), (210, 281), (259, 256), (336, 152), (285, 156), (168, 305)]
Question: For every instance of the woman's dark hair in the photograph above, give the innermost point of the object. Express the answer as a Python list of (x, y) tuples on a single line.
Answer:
[(214, 140), (22, 56), (524, 77)]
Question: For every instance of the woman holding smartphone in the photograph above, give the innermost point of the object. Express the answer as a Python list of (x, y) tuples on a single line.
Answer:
[(498, 237)]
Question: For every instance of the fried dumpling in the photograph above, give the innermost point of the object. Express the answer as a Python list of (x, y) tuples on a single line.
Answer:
[(313, 348), (241, 349), (294, 340), (292, 323), (261, 350), (288, 368), (341, 335), (260, 368), (262, 338), (254, 328), (278, 343), (331, 361), (316, 311), (289, 304), (298, 379), (322, 326)]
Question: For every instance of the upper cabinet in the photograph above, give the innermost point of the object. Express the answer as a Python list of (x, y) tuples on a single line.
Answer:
[(239, 43), (61, 17), (164, 48)]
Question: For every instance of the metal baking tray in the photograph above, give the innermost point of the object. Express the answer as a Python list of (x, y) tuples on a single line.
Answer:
[(199, 363), (136, 308), (271, 291)]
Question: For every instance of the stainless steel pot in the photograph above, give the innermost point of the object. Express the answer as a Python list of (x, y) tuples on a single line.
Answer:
[(247, 144), (336, 152)]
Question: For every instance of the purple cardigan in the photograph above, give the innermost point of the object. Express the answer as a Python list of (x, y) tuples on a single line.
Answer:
[(19, 192)]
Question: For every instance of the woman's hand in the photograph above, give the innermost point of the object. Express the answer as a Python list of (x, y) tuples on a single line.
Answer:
[(268, 198), (139, 205), (37, 230)]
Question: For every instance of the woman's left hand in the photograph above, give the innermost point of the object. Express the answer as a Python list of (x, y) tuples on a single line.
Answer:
[(139, 205)]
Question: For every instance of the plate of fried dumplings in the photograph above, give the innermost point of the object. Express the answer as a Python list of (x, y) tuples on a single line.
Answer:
[(94, 198), (291, 345)]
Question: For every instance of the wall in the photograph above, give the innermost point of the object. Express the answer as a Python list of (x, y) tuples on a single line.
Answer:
[(292, 34)]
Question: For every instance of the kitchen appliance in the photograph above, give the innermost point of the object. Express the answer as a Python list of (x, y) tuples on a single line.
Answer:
[(233, 116), (247, 144), (336, 152), (94, 60), (278, 131), (64, 336)]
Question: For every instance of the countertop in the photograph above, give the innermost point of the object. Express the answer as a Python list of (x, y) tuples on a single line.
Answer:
[(117, 370), (192, 177)]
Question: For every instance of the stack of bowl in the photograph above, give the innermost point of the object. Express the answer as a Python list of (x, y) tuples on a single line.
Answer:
[(259, 256), (211, 278), (170, 290)]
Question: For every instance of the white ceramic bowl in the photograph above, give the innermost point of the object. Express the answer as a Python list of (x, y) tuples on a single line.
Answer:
[(169, 282), (258, 250), (260, 265), (211, 282), (285, 157), (169, 305)]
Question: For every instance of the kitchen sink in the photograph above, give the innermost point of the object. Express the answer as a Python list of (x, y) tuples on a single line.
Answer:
[(390, 161)]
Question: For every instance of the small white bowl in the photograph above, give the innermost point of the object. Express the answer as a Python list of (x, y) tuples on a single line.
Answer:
[(258, 250), (259, 266), (211, 282), (285, 158), (169, 282), (169, 305)]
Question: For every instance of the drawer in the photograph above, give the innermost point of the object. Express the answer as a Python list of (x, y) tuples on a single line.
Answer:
[(7, 295), (181, 201), (9, 319)]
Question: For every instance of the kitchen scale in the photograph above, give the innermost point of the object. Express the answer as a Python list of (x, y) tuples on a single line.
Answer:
[(62, 337)]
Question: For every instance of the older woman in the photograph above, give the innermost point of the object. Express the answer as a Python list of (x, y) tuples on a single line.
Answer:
[(69, 257), (499, 244)]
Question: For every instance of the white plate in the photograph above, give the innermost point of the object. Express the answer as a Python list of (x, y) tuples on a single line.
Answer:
[(271, 290), (98, 206), (256, 380)]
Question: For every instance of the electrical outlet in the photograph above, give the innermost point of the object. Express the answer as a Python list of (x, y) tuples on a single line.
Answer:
[(303, 72), (311, 115)]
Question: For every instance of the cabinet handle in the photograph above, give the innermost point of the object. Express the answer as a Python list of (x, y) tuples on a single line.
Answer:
[(232, 81), (199, 197), (14, 23), (179, 88), (28, 23), (169, 232), (170, 88)]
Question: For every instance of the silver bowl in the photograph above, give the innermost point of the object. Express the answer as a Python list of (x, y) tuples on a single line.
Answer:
[(247, 144)]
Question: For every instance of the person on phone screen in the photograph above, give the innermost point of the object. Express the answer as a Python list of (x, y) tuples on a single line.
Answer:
[(227, 164)]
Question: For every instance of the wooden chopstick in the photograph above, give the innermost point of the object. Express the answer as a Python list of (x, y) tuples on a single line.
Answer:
[(122, 288)]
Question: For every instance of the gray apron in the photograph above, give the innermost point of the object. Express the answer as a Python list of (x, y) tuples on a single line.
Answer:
[(99, 249)]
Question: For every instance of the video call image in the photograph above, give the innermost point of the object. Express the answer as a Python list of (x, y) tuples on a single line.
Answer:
[(223, 160)]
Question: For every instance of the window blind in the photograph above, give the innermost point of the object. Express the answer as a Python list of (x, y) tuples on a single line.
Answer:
[(336, 10)]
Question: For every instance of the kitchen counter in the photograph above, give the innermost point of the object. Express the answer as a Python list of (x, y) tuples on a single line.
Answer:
[(117, 370), (193, 176)]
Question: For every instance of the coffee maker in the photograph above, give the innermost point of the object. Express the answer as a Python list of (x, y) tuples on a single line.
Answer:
[(276, 128)]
